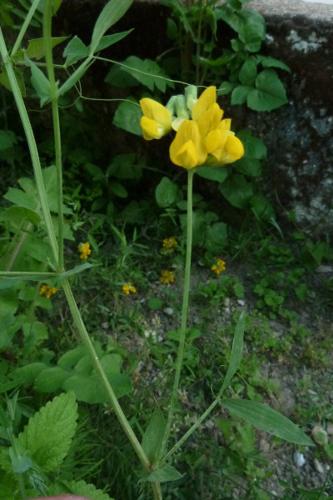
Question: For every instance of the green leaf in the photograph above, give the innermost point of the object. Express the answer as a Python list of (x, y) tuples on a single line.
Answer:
[(75, 50), (51, 379), (236, 352), (36, 47), (76, 270), (252, 31), (7, 139), (248, 72), (266, 419), (40, 83), (271, 62), (27, 374), (20, 80), (164, 474), (147, 72), (125, 166), (86, 490), (255, 151), (217, 174), (237, 190), (118, 189), (17, 216), (127, 117), (166, 193), (225, 88), (239, 94), (109, 40), (49, 433), (216, 237), (269, 93), (110, 14), (153, 437), (71, 357)]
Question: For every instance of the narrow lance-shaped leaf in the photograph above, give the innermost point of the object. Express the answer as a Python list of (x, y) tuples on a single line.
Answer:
[(111, 13), (266, 419), (236, 351), (153, 437)]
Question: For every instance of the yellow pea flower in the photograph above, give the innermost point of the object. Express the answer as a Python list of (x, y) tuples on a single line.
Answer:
[(47, 291), (85, 250), (156, 119), (167, 277), (187, 149), (205, 101), (219, 267), (129, 289), (170, 243)]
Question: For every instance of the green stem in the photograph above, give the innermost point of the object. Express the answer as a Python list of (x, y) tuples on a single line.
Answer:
[(85, 338), (31, 144), (186, 294), (47, 33), (24, 27)]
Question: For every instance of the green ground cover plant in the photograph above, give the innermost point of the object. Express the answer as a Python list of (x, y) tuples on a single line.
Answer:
[(42, 265)]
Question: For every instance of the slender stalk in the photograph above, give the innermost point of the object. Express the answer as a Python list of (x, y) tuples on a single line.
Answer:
[(18, 246), (186, 294), (47, 33), (28, 275), (24, 26), (31, 144)]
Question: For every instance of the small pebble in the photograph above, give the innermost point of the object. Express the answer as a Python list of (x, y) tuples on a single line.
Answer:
[(241, 302), (299, 459), (168, 311), (319, 466)]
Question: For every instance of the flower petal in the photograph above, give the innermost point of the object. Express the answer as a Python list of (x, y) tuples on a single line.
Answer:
[(154, 110), (206, 99), (210, 119), (187, 150), (216, 140), (233, 150), (151, 129)]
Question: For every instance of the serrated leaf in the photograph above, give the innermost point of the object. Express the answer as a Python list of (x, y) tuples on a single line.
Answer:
[(49, 433), (265, 418), (75, 50), (127, 117), (153, 437), (166, 193), (36, 47), (269, 93), (87, 490), (110, 14), (236, 352), (40, 83), (164, 474)]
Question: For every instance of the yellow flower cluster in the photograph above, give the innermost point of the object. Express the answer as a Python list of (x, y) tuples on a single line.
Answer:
[(170, 244), (202, 135), (47, 291), (167, 277), (219, 267), (85, 250), (129, 289)]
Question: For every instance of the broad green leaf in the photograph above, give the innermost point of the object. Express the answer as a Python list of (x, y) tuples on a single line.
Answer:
[(269, 93), (262, 208), (109, 40), (266, 419), (147, 72), (248, 72), (36, 47), (86, 490), (252, 30), (17, 216), (75, 50), (271, 62), (125, 166), (71, 357), (7, 139), (127, 117), (40, 83), (153, 437), (166, 193), (164, 474), (225, 88), (49, 433), (21, 199), (213, 173), (237, 190), (236, 351), (118, 189), (27, 374), (239, 94), (216, 237), (255, 151), (51, 379), (110, 14)]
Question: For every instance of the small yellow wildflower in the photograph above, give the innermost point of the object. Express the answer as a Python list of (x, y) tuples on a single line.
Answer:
[(167, 277), (129, 289), (170, 244), (85, 250), (219, 267), (47, 291)]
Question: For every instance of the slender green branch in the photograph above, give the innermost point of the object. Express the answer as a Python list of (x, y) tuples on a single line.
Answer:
[(186, 294), (40, 275), (31, 144), (112, 397), (25, 26), (47, 33)]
